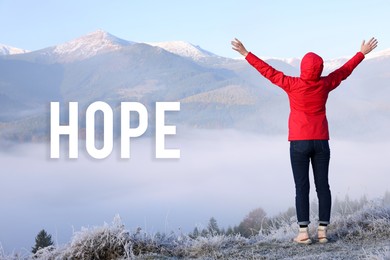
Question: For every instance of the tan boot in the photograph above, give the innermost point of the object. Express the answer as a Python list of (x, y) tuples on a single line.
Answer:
[(321, 232), (303, 236)]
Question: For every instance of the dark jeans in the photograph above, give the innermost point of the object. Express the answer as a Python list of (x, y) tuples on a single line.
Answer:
[(301, 152)]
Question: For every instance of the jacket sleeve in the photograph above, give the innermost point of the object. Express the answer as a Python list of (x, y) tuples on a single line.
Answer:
[(334, 79), (276, 77)]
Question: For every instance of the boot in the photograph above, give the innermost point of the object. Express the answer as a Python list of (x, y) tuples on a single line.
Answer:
[(303, 236), (321, 232)]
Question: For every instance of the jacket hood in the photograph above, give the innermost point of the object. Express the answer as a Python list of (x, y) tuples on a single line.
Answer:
[(311, 66)]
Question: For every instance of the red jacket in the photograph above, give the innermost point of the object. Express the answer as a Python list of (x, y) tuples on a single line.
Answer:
[(308, 93)]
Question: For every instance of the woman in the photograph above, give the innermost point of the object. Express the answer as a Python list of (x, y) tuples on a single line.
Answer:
[(308, 128)]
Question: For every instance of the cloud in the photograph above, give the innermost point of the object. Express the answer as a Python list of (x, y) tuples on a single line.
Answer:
[(223, 174)]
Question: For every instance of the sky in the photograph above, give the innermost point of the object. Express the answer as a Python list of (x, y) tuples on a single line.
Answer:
[(279, 28)]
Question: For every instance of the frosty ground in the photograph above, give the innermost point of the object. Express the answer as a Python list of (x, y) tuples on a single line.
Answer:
[(362, 234)]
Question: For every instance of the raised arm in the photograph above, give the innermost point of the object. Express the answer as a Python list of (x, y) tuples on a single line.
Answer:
[(343, 72), (275, 76)]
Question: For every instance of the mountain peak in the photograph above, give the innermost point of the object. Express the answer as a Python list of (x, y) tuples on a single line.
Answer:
[(184, 49), (9, 50), (379, 54), (89, 45)]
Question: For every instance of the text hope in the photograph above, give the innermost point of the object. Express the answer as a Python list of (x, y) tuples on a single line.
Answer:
[(71, 130)]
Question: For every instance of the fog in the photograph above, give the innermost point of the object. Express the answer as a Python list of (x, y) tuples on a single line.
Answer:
[(222, 174)]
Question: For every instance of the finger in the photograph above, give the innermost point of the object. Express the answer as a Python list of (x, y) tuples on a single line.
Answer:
[(238, 40), (364, 41), (236, 45), (374, 42)]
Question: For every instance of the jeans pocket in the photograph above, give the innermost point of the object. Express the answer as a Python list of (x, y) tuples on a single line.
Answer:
[(324, 144), (301, 146)]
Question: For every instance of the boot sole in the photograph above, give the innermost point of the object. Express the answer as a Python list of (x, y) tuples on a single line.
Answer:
[(304, 242)]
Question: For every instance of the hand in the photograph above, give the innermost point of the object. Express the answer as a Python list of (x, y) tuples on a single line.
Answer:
[(239, 47), (369, 46)]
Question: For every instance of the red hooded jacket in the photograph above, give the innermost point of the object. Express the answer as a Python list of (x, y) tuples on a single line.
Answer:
[(308, 93)]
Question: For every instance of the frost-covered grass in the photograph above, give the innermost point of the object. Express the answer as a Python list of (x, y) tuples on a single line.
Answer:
[(363, 234)]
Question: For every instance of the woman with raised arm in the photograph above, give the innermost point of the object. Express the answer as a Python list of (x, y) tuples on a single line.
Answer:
[(308, 128)]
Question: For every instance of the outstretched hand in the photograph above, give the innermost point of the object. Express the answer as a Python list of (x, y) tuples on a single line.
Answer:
[(369, 46), (239, 47)]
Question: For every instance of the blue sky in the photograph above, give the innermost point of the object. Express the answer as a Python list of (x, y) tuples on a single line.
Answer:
[(269, 28)]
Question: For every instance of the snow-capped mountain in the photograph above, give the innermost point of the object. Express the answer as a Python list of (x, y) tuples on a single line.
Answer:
[(332, 64), (329, 65), (184, 49), (88, 46), (379, 54), (9, 50), (291, 61)]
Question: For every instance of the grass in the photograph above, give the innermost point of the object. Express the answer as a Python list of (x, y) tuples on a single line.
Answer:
[(362, 233)]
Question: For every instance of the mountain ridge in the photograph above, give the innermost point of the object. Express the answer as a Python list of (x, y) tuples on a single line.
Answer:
[(183, 48), (9, 50), (88, 46), (179, 47)]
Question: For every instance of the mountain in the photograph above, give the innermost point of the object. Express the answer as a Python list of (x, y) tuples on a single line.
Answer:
[(332, 64), (215, 92), (384, 54), (8, 50), (87, 46), (184, 49)]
